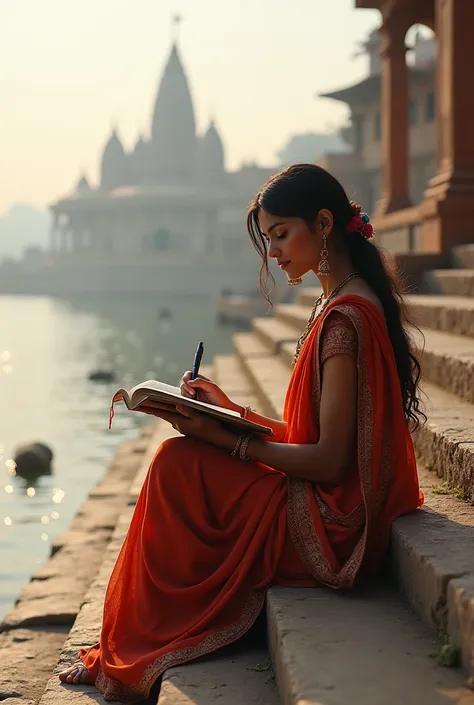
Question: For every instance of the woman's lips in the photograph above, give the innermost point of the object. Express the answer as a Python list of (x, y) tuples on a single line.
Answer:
[(284, 265)]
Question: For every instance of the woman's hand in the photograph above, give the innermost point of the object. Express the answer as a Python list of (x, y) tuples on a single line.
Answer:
[(191, 423), (204, 389)]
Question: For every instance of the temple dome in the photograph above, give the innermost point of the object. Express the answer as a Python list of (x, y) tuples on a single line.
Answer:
[(83, 185), (140, 158), (211, 155), (114, 163), (173, 127)]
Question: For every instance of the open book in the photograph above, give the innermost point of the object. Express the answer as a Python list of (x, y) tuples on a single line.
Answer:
[(165, 393)]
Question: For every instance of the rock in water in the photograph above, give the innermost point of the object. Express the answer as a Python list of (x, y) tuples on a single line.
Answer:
[(33, 459), (102, 376)]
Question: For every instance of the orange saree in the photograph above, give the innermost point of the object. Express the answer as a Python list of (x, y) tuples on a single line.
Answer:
[(210, 534)]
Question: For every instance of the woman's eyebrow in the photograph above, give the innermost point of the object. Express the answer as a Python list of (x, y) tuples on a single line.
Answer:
[(275, 225)]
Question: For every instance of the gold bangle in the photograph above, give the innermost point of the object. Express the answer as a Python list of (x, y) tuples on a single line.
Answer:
[(246, 411), (243, 448), (237, 446)]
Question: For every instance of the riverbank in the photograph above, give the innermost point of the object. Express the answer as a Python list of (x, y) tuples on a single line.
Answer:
[(34, 631)]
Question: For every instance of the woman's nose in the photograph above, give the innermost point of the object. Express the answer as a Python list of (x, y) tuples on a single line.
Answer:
[(273, 251)]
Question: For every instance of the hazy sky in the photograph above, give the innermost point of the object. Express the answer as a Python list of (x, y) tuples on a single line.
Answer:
[(70, 69)]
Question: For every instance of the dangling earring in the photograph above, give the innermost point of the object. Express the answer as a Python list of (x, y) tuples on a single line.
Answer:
[(295, 282), (324, 269)]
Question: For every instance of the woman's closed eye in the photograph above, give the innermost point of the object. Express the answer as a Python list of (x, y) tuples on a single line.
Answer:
[(281, 236)]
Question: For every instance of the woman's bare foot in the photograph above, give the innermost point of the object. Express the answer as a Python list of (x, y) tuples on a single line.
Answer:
[(76, 675)]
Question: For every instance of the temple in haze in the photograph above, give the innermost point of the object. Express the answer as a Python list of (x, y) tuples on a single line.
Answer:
[(166, 215)]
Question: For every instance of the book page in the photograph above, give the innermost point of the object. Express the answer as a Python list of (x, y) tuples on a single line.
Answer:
[(139, 392)]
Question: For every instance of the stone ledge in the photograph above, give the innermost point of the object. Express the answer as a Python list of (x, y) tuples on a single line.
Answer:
[(364, 647), (433, 559)]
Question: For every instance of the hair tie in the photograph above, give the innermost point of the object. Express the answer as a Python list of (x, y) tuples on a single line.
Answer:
[(360, 222)]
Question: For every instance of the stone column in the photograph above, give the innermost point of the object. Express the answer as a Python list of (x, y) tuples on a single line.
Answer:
[(395, 136), (448, 206)]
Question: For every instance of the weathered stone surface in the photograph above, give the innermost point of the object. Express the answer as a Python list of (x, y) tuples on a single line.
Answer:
[(238, 678), (453, 282), (27, 659), (429, 550), (445, 443), (273, 333), (80, 538), (361, 648), (448, 361), (434, 564), (452, 314), (461, 618)]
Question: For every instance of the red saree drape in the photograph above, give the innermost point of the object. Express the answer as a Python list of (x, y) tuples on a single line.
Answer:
[(210, 534)]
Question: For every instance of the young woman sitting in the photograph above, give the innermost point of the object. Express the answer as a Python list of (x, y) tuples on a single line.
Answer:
[(221, 518)]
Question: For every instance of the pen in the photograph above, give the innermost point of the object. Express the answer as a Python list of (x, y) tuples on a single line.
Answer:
[(197, 360)]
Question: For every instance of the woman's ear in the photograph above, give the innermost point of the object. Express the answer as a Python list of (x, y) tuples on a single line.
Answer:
[(325, 221)]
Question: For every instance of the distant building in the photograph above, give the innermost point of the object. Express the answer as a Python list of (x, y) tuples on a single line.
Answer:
[(170, 205), (360, 170), (310, 146)]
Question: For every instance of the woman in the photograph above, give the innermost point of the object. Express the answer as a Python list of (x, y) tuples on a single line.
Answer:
[(221, 518)]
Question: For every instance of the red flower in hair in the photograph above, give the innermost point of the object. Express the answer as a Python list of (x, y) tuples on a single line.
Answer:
[(367, 230), (355, 225)]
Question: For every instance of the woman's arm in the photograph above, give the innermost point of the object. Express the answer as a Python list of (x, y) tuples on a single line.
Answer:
[(327, 460), (205, 389), (278, 427)]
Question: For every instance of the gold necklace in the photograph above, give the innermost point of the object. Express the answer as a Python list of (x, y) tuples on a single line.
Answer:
[(313, 317)]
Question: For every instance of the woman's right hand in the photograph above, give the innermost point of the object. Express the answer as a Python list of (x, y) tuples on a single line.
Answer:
[(204, 389)]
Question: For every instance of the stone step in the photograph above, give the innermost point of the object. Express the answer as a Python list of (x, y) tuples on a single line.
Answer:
[(308, 295), (445, 442), (452, 314), (273, 333), (451, 282), (361, 648), (433, 563), (268, 374), (233, 677), (448, 361), (463, 256)]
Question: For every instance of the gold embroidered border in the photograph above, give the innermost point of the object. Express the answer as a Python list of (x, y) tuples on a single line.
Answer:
[(112, 689), (300, 519)]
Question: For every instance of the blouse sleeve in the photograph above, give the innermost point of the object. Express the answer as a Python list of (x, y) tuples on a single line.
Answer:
[(338, 337)]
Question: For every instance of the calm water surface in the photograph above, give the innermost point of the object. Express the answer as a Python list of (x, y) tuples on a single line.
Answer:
[(47, 349)]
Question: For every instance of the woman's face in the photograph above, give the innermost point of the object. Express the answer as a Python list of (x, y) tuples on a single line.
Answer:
[(292, 243)]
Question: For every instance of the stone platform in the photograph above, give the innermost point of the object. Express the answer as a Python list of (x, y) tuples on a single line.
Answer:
[(379, 646)]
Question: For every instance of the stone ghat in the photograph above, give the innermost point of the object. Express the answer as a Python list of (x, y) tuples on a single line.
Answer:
[(379, 646)]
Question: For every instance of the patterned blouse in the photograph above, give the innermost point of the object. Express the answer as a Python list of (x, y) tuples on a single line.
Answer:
[(338, 337)]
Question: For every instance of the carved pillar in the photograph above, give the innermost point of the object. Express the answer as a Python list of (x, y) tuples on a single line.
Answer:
[(395, 136), (449, 200)]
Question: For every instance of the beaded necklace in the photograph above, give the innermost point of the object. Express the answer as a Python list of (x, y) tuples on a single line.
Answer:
[(313, 317)]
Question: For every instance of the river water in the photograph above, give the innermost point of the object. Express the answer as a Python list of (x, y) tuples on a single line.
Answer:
[(47, 349)]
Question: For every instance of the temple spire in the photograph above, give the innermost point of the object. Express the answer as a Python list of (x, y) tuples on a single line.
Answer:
[(175, 27)]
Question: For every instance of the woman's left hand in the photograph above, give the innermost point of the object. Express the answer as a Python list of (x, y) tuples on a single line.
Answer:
[(190, 423)]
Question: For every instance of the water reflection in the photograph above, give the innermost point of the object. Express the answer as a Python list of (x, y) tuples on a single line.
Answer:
[(47, 395)]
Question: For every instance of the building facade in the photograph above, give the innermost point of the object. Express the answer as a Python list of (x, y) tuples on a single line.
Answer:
[(361, 170), (167, 215)]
